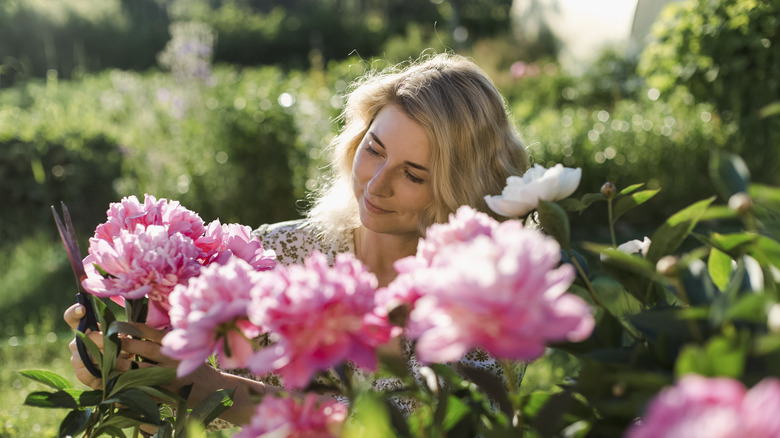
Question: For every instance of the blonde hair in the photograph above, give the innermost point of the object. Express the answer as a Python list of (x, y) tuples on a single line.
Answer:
[(474, 147)]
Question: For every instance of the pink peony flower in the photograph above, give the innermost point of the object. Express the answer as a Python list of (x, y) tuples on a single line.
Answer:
[(321, 316), (209, 315), (142, 262), (716, 407), (464, 225), (220, 242), (287, 417), (501, 291), (129, 212)]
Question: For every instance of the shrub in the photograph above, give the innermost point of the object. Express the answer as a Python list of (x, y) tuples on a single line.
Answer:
[(726, 53)]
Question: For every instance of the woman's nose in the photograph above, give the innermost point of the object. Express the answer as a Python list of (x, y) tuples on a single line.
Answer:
[(380, 184)]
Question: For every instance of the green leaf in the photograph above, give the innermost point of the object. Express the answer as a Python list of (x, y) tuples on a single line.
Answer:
[(548, 420), (626, 203), (698, 286), (456, 411), (90, 398), (555, 222), (718, 212), (75, 422), (160, 393), (48, 378), (490, 384), (143, 377), (212, 406), (571, 204), (733, 243), (765, 195), (769, 110), (590, 198), (672, 233), (125, 328), (766, 251), (116, 422), (719, 266), (636, 274), (92, 348), (750, 307), (137, 405), (630, 189), (58, 399), (729, 174)]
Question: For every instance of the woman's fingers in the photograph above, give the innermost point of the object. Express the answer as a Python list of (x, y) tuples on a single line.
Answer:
[(148, 350), (73, 315), (79, 369)]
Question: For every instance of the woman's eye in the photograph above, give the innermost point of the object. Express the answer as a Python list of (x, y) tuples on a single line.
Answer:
[(412, 178), (371, 150)]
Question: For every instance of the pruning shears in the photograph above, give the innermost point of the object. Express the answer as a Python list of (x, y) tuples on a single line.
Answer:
[(88, 321)]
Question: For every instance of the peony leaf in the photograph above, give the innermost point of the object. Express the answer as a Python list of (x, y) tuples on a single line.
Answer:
[(143, 377), (213, 405), (571, 204), (631, 189), (548, 419), (697, 284), (719, 266), (136, 405), (125, 328), (729, 174), (45, 399), (765, 195), (160, 393), (750, 308), (75, 422), (555, 222), (490, 384), (48, 378), (97, 355), (671, 234), (114, 424), (626, 203), (766, 251)]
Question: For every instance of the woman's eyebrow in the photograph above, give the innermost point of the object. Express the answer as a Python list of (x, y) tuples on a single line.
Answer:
[(410, 163)]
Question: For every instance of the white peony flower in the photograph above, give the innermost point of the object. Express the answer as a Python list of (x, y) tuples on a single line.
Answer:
[(522, 194), (635, 247)]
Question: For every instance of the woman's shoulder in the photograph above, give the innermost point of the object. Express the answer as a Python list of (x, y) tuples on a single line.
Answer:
[(294, 240)]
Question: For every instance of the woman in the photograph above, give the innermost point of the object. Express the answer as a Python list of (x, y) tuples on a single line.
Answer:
[(417, 143)]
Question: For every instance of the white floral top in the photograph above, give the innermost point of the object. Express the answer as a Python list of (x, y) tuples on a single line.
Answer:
[(293, 241)]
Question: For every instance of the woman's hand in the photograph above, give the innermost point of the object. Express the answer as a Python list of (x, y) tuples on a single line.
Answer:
[(149, 349)]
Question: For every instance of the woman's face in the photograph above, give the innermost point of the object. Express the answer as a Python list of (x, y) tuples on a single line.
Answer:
[(390, 175)]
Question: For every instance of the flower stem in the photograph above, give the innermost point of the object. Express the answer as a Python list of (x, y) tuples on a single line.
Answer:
[(596, 299), (611, 223)]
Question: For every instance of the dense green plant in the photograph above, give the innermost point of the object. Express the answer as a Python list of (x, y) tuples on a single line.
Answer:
[(727, 53), (72, 37)]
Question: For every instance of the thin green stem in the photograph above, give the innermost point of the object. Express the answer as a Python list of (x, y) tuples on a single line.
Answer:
[(592, 292), (611, 223)]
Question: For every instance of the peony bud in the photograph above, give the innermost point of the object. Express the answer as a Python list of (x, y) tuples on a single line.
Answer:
[(740, 202), (667, 265), (608, 190)]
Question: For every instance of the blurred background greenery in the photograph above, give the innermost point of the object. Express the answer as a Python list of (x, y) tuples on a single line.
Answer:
[(227, 105)]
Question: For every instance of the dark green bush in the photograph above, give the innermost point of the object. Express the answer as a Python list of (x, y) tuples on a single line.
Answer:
[(727, 53)]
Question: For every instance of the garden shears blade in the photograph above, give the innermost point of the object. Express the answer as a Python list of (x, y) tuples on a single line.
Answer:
[(88, 321)]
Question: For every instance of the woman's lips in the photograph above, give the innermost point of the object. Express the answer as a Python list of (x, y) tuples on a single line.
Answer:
[(373, 208)]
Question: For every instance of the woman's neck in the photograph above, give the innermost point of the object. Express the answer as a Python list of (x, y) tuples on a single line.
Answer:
[(378, 251)]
